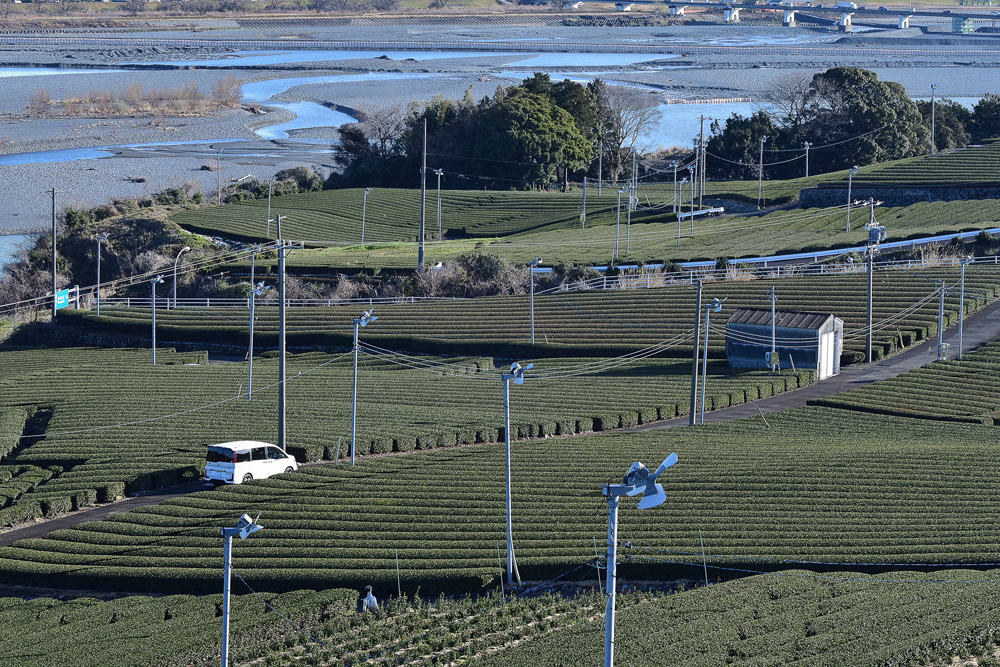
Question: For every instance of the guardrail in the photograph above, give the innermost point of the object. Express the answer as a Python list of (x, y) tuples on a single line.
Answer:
[(209, 302)]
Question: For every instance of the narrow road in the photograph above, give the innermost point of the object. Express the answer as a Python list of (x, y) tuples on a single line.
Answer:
[(980, 328), (99, 512)]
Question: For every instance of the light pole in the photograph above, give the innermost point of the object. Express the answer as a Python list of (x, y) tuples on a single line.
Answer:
[(244, 528), (254, 293), (583, 206), (961, 308), (693, 171), (637, 480), (423, 202), (439, 172), (97, 288), (760, 171), (531, 291), (282, 304), (152, 291), (628, 225), (270, 185), (618, 217), (183, 250), (933, 135), (517, 375), (940, 332), (876, 234), (715, 306), (363, 321), (54, 309), (807, 146), (364, 211), (218, 170), (674, 165), (850, 179)]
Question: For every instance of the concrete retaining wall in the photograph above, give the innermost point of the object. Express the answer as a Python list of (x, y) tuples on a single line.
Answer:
[(893, 196)]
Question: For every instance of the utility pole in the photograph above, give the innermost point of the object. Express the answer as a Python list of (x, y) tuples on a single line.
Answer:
[(364, 320), (282, 393), (634, 190), (423, 201), (618, 218), (961, 306), (270, 185), (97, 287), (933, 134), (628, 225), (531, 291), (53, 255), (940, 342), (218, 170), (693, 170), (600, 166), (760, 171), (255, 291), (701, 159), (517, 375), (774, 325), (678, 214), (152, 303), (807, 145), (364, 211), (850, 178), (674, 164), (439, 172), (694, 357), (583, 206), (868, 329)]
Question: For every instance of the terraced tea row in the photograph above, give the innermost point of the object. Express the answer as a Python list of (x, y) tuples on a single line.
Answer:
[(966, 390), (587, 322), (970, 167), (114, 440), (893, 491)]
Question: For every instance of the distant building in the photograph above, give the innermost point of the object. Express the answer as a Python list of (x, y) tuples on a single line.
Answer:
[(576, 5), (623, 7), (803, 340)]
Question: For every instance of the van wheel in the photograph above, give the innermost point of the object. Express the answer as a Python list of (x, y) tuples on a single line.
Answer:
[(247, 477), (289, 469)]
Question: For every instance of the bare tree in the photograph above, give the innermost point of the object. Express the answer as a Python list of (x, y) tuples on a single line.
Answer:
[(627, 114), (383, 126), (133, 7), (5, 8), (227, 92), (789, 99)]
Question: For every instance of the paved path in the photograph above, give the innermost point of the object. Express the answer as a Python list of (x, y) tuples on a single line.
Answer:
[(980, 328), (99, 512)]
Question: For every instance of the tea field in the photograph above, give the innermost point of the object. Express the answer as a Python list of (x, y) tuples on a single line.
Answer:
[(105, 434), (867, 492), (584, 322), (965, 390), (974, 166)]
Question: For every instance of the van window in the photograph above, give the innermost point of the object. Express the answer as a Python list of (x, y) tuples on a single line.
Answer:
[(258, 453), (219, 455), (275, 453), (243, 457)]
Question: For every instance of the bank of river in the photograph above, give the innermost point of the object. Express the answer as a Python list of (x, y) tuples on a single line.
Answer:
[(10, 244)]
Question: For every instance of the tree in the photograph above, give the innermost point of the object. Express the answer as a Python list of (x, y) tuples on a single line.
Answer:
[(789, 100), (135, 6), (383, 126), (625, 115), (985, 122), (227, 92), (950, 120), (736, 150)]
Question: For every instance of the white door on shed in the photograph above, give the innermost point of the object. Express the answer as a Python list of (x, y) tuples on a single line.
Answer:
[(826, 351)]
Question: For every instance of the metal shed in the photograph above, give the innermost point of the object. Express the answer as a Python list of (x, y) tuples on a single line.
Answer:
[(807, 340)]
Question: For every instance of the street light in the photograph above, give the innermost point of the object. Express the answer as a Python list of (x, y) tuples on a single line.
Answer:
[(245, 527), (97, 288), (531, 291), (364, 210), (807, 145), (637, 480), (152, 287), (760, 171), (628, 221), (363, 321), (715, 306), (439, 172), (850, 179), (678, 209), (183, 250), (517, 375), (933, 93), (254, 293)]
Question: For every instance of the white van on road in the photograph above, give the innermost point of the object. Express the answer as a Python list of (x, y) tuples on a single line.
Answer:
[(243, 460)]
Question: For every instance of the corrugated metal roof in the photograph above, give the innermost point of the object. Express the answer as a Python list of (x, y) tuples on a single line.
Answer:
[(784, 318)]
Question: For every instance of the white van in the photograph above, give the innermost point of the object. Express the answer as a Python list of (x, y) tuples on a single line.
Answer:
[(241, 461)]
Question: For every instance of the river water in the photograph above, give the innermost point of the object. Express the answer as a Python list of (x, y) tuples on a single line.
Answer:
[(10, 244)]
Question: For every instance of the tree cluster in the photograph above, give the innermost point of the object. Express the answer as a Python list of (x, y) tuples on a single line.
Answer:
[(856, 119), (539, 132)]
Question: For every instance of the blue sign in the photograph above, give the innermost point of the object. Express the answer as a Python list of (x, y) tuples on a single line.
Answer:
[(62, 298)]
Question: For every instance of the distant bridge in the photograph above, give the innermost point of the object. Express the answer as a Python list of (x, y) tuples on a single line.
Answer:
[(960, 22)]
